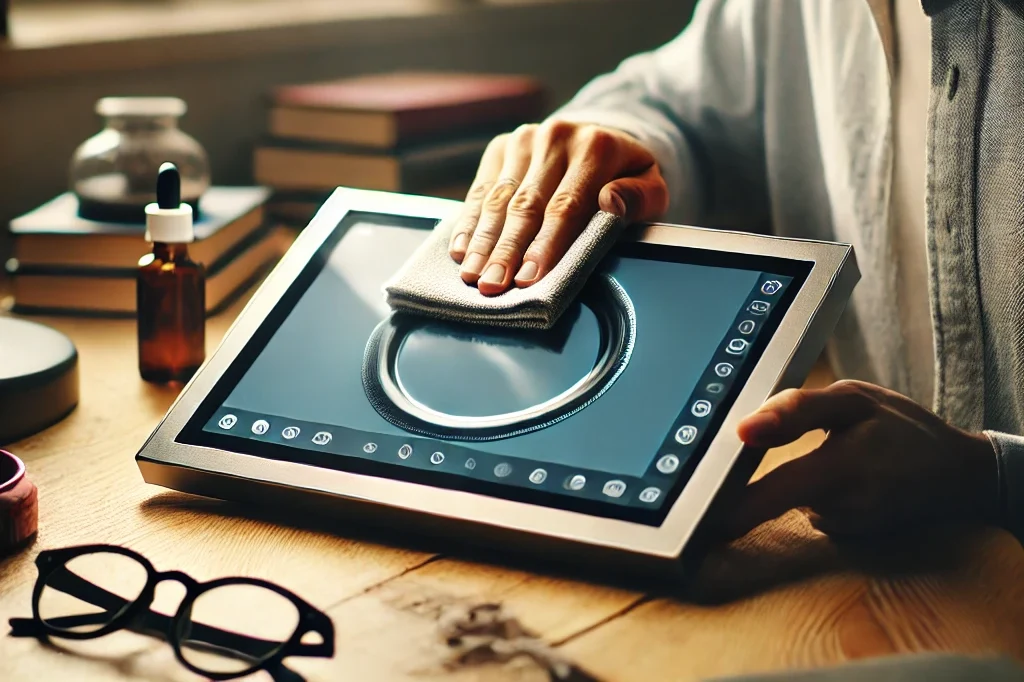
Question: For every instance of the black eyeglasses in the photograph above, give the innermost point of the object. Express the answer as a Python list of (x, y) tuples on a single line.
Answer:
[(223, 629)]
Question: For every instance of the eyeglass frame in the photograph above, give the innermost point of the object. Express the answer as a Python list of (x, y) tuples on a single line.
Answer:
[(138, 611)]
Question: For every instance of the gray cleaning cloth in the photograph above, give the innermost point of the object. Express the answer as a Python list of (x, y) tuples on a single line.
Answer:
[(429, 283)]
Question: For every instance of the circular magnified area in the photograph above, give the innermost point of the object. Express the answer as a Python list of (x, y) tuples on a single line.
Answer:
[(463, 371), (463, 382)]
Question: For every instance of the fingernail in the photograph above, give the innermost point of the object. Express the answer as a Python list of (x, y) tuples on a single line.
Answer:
[(460, 243), (474, 263), (494, 275), (620, 205), (528, 272)]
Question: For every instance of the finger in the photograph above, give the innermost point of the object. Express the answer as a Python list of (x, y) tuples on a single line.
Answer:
[(515, 163), (596, 159), (525, 214), (794, 412), (526, 210), (641, 197), (573, 204), (486, 175), (592, 162), (801, 482)]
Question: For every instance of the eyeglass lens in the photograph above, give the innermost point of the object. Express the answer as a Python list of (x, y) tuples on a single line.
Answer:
[(264, 617), (90, 591), (71, 602)]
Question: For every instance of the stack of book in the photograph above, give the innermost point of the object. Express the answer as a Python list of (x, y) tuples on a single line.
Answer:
[(412, 132), (65, 264)]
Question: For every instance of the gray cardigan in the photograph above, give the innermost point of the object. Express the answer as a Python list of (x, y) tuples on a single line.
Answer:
[(780, 112)]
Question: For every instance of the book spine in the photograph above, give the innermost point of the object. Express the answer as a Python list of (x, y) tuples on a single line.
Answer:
[(509, 112)]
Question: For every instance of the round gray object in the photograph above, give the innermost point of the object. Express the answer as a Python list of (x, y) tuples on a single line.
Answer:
[(38, 378)]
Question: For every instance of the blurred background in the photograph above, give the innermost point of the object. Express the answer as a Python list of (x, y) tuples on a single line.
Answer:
[(223, 57)]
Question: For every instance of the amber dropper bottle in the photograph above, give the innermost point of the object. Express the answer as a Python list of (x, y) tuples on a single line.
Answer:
[(171, 289)]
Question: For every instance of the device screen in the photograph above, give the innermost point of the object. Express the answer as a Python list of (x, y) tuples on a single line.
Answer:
[(702, 318)]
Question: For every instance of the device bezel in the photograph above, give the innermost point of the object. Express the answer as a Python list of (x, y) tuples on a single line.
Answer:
[(785, 361)]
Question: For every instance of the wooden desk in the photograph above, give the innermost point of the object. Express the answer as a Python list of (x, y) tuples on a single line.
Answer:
[(783, 597)]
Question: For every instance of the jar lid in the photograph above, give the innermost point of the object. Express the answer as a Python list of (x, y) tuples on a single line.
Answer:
[(38, 378), (12, 470), (19, 505), (141, 106)]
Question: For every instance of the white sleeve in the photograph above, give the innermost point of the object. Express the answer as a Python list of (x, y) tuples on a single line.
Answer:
[(697, 103)]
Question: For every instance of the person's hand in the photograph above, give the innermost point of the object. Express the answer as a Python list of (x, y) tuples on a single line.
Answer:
[(887, 464), (535, 191)]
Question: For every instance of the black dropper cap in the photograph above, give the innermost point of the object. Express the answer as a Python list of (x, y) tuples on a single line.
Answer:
[(168, 186)]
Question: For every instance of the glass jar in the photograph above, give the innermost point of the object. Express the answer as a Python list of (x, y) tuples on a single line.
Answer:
[(113, 173)]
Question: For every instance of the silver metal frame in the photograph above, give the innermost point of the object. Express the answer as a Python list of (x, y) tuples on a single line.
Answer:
[(785, 362)]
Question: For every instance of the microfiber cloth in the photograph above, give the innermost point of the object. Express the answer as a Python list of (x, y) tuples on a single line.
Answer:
[(429, 283)]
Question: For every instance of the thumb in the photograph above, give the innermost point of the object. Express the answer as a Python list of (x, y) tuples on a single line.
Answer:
[(637, 197), (801, 482), (792, 413)]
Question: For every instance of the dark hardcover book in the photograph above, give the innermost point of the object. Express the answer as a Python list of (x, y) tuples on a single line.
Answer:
[(110, 291), (54, 234), (391, 110), (289, 165)]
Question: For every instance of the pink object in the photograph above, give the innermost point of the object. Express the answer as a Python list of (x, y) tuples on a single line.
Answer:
[(19, 505)]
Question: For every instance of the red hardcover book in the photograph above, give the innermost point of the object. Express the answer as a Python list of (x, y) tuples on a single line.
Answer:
[(392, 110)]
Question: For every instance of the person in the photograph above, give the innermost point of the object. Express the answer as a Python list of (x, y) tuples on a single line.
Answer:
[(895, 126)]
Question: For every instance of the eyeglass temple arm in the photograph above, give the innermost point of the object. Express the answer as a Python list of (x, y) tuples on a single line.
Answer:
[(28, 627), (148, 622)]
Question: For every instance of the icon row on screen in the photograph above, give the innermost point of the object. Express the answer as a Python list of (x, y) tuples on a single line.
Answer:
[(614, 488), (261, 427), (738, 346)]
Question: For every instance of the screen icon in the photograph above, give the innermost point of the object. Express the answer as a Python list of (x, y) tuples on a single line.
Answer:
[(405, 452), (736, 347), (370, 448), (723, 369), (471, 464), (227, 422), (747, 326), (650, 495), (701, 408), (503, 470), (437, 458), (577, 482), (538, 476), (686, 434), (322, 438), (668, 464), (260, 426), (715, 388), (614, 488), (771, 287), (290, 432), (758, 308)]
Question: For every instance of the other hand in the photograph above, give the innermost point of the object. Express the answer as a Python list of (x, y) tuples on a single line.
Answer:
[(886, 464), (535, 191)]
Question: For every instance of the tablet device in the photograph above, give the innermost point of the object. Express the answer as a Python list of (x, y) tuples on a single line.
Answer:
[(611, 433)]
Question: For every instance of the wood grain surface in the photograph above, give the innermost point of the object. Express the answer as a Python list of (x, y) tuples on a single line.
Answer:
[(783, 597)]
